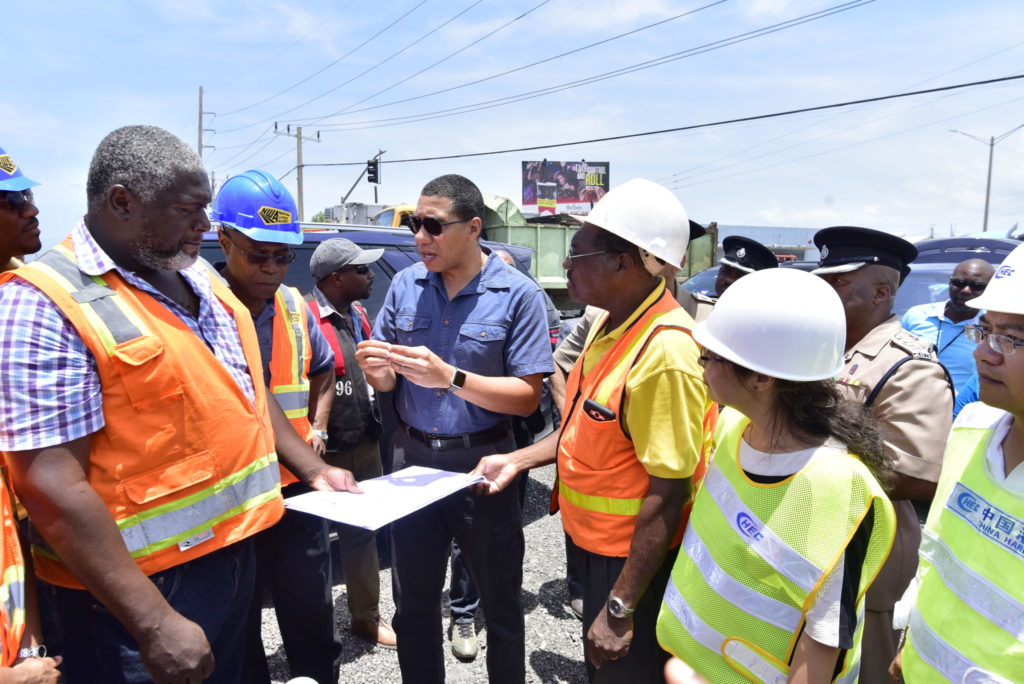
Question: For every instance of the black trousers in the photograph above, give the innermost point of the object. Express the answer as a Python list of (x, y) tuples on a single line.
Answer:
[(645, 661), (489, 532)]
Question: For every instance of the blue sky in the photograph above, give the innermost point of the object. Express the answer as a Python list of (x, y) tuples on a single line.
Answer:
[(85, 68)]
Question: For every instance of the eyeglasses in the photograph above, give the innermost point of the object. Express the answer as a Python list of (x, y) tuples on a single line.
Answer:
[(259, 259), (708, 357), (433, 226), (362, 269), (976, 286), (17, 200), (1003, 344), (570, 256)]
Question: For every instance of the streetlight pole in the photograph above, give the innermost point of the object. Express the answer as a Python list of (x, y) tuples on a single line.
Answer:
[(991, 142)]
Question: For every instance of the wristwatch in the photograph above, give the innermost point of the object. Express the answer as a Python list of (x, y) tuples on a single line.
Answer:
[(33, 652), (617, 608), (321, 434), (458, 381)]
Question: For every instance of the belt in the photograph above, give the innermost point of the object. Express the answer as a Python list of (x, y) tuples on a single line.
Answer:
[(449, 442)]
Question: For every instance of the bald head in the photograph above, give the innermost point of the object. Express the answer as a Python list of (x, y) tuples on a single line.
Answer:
[(968, 281)]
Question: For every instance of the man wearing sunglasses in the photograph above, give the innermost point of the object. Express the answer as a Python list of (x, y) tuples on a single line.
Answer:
[(19, 227), (136, 429), (258, 228), (896, 376), (944, 323), (344, 275), (463, 341)]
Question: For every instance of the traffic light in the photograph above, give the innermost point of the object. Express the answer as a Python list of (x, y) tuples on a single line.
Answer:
[(373, 171)]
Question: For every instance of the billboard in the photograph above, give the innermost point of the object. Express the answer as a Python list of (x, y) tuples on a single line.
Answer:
[(551, 187)]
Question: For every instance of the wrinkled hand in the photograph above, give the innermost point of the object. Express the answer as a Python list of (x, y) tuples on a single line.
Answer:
[(37, 671), (421, 366), (499, 470), (177, 652), (374, 358), (319, 446), (332, 479), (608, 638)]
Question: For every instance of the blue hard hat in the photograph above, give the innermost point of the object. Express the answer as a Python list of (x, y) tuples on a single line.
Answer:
[(257, 205), (11, 177)]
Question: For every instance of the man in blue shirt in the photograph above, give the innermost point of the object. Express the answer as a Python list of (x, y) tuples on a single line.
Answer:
[(463, 340), (943, 323)]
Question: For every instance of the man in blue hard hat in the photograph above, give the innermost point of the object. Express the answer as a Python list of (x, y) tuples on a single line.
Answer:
[(258, 228), (19, 227)]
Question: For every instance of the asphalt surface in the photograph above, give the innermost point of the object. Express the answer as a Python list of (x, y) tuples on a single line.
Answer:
[(554, 651)]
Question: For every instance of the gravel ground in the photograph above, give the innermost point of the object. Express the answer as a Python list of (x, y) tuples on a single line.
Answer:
[(554, 652)]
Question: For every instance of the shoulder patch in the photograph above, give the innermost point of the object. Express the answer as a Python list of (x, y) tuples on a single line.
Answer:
[(917, 347)]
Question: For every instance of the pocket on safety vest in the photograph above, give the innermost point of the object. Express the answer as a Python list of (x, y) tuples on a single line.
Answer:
[(147, 376), (188, 473), (590, 435)]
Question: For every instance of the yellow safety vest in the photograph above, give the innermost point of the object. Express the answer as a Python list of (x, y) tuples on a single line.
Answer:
[(968, 623), (754, 556)]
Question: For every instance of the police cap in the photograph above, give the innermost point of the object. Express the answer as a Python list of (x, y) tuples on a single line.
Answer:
[(847, 248), (747, 255)]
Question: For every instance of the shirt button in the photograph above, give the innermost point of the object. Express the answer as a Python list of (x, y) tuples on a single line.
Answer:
[(447, 322), (435, 428), (437, 394), (483, 333)]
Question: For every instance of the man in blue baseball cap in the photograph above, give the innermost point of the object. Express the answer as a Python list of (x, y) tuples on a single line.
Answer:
[(19, 227)]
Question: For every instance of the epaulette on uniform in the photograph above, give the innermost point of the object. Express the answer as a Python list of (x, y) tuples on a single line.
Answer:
[(915, 346)]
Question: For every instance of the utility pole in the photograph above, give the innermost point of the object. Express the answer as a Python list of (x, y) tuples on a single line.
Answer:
[(199, 142), (991, 142), (298, 158)]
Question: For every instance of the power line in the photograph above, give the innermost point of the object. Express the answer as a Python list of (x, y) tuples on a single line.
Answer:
[(318, 72), (519, 68), (529, 95), (677, 129)]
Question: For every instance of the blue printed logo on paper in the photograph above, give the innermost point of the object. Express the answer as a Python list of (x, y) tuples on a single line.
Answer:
[(1004, 272), (995, 524), (748, 526)]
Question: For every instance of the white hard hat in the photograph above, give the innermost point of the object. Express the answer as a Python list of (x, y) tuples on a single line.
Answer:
[(1005, 292), (782, 322), (648, 215)]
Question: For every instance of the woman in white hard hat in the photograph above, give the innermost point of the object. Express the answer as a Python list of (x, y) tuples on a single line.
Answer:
[(790, 525)]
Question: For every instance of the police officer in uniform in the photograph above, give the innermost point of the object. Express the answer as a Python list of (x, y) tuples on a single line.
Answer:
[(898, 377), (742, 256)]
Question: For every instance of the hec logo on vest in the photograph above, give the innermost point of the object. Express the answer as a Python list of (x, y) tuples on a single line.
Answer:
[(745, 522), (967, 502)]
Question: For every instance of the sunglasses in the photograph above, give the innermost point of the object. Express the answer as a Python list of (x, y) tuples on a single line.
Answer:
[(17, 200), (362, 269), (433, 226), (977, 287), (259, 259)]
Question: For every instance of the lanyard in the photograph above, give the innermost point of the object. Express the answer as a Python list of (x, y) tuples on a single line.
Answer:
[(938, 340)]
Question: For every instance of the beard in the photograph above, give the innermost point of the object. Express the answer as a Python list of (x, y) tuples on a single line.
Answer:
[(150, 253)]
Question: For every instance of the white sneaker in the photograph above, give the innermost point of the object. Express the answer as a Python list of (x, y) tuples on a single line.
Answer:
[(464, 642)]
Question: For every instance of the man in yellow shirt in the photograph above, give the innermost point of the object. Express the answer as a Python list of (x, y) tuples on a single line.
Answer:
[(632, 428)]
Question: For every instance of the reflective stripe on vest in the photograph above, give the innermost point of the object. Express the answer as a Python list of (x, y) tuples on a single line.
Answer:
[(973, 589), (152, 514), (292, 391), (931, 648), (759, 536), (740, 595), (12, 583), (600, 504), (113, 320), (713, 641)]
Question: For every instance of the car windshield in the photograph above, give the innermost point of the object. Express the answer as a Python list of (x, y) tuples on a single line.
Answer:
[(703, 282)]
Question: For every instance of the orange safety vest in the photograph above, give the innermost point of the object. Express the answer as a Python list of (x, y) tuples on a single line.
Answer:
[(290, 357), (601, 482), (12, 583), (185, 462)]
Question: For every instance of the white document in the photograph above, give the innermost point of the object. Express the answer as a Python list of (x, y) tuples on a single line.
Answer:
[(384, 498)]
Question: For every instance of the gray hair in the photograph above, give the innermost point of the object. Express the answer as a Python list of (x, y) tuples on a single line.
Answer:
[(144, 159)]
